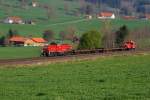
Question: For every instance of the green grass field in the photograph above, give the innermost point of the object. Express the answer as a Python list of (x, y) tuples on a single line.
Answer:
[(19, 52), (59, 22), (81, 26), (107, 78)]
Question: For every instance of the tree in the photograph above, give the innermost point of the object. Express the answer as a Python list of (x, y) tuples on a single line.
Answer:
[(127, 6), (62, 35), (48, 35), (66, 6), (2, 40), (89, 9), (82, 4), (90, 40), (71, 31), (12, 33), (49, 10), (121, 34), (108, 39), (141, 36), (24, 4)]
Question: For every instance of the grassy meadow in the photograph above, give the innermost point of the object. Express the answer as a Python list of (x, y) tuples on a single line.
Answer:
[(107, 78), (19, 52), (81, 26)]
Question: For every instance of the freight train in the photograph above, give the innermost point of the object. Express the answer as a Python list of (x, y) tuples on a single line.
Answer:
[(67, 49)]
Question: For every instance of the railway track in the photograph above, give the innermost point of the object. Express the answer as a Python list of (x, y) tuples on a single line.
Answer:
[(48, 60)]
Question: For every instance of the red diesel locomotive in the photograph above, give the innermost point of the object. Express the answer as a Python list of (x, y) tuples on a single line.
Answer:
[(129, 45), (56, 49), (63, 49)]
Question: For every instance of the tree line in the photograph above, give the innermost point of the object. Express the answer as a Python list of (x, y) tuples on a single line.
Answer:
[(107, 37), (89, 40), (49, 35)]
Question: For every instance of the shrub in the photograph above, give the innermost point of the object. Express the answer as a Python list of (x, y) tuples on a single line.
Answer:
[(12, 33), (90, 40), (48, 35), (121, 35)]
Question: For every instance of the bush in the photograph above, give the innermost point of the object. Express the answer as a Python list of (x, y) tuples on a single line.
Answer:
[(2, 39), (90, 40), (121, 35), (12, 33), (48, 35)]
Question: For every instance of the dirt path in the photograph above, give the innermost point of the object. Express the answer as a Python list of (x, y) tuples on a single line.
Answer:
[(61, 59), (69, 22)]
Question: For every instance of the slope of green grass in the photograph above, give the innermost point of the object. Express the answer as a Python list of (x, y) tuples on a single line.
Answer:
[(80, 24), (60, 21), (107, 78), (19, 52)]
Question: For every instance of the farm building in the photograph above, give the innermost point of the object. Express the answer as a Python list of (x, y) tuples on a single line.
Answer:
[(88, 16), (22, 41), (38, 41), (14, 20), (147, 16), (106, 15), (129, 17), (34, 4), (17, 40)]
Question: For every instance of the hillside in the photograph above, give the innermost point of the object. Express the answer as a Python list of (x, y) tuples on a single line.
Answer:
[(63, 14), (14, 8), (38, 14)]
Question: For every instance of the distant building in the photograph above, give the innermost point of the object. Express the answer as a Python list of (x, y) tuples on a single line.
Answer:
[(106, 15), (22, 41), (34, 4), (147, 16), (14, 20), (88, 16), (39, 41), (17, 40), (32, 22), (129, 17)]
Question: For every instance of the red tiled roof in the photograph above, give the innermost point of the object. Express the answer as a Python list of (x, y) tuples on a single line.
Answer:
[(39, 40), (105, 14), (15, 18), (17, 39)]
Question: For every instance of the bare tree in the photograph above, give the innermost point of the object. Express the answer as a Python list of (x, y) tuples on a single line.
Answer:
[(109, 34), (49, 10), (141, 36), (89, 9), (62, 35), (83, 5), (128, 6), (48, 35), (24, 4), (1, 2), (66, 6), (71, 33), (8, 10)]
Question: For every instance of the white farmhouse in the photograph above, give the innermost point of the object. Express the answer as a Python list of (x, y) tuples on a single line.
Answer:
[(13, 20), (34, 4), (106, 15)]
